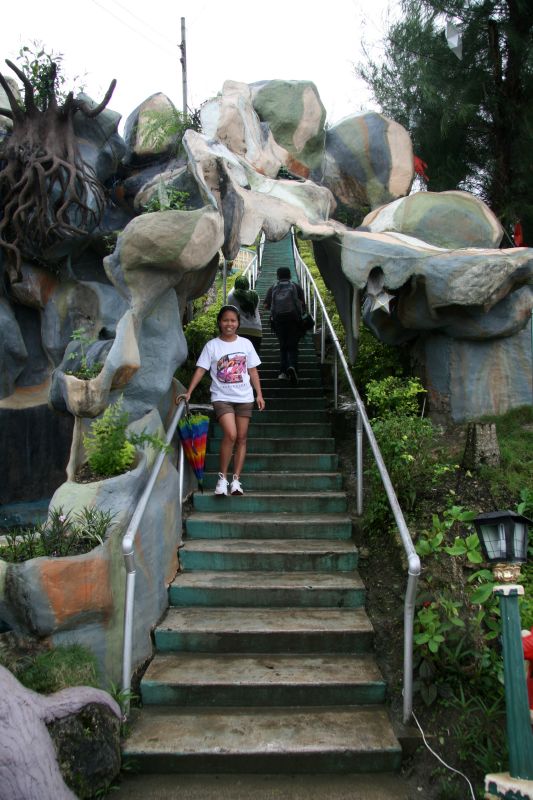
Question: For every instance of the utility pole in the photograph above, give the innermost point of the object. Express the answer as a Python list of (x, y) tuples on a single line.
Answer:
[(183, 60)]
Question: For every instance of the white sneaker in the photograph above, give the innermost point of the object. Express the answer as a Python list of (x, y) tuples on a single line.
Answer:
[(236, 487), (283, 376), (222, 485)]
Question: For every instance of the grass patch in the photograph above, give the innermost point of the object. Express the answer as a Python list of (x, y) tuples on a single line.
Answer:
[(48, 671), (515, 439)]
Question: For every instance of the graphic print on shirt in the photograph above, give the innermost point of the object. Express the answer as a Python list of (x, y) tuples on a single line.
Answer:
[(231, 368)]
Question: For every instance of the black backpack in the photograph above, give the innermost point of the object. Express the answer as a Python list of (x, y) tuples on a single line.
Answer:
[(286, 304)]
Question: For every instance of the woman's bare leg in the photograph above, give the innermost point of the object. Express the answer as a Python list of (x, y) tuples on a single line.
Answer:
[(229, 431), (240, 446)]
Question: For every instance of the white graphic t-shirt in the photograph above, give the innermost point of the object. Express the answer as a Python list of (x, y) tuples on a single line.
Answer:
[(228, 364)]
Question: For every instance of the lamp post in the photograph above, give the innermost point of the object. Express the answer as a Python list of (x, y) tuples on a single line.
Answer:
[(503, 536)]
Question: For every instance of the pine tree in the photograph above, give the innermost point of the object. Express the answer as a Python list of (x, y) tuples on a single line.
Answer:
[(470, 118)]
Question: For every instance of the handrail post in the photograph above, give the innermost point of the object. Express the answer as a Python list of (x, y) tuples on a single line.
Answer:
[(359, 462), (363, 425), (335, 381), (128, 552), (323, 340)]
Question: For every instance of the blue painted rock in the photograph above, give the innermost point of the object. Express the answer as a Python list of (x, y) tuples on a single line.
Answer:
[(369, 161)]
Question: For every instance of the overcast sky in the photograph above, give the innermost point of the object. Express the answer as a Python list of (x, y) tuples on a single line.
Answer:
[(137, 42)]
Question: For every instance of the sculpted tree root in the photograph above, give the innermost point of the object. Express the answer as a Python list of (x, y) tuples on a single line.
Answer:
[(47, 191), (28, 765)]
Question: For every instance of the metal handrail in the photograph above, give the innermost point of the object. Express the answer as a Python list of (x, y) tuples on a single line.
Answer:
[(312, 296), (254, 267), (128, 551)]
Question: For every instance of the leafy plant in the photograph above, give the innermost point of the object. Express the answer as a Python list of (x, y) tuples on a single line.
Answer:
[(166, 127), (85, 371), (44, 71), (166, 199), (110, 448), (394, 395), (61, 534), (406, 444)]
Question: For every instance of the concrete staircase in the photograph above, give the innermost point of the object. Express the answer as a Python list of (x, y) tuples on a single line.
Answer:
[(264, 661)]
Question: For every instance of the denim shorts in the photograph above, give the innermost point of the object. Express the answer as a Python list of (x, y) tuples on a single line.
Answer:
[(221, 407)]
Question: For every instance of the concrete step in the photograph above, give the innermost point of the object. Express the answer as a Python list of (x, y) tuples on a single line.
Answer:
[(261, 502), (205, 679), (265, 630), (281, 462), (267, 589), (283, 388), (292, 740), (311, 385), (294, 404), (267, 526), (269, 430), (303, 415), (362, 786), (269, 554), (280, 445), (288, 481), (304, 371)]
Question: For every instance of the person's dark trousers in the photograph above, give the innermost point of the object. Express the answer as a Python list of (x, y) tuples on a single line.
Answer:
[(288, 333)]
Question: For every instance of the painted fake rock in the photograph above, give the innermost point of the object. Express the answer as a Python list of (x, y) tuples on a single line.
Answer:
[(296, 116), (141, 144), (369, 161), (231, 120), (472, 305), (255, 202), (81, 598), (445, 219)]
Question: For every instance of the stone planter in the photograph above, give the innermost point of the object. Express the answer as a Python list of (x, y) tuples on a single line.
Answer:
[(81, 598)]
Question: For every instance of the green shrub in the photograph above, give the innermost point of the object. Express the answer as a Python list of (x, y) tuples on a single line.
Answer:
[(110, 450), (406, 444), (61, 534), (394, 395)]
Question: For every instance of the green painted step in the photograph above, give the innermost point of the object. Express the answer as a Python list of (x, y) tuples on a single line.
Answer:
[(267, 589), (294, 405), (281, 462), (265, 630), (268, 526), (293, 481), (270, 554), (275, 387), (280, 445), (291, 429), (303, 415), (259, 502), (205, 679), (261, 740)]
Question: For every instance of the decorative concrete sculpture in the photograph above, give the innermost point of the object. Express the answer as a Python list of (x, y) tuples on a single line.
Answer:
[(28, 766)]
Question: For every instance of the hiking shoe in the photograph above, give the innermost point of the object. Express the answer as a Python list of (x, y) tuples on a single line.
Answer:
[(236, 486), (222, 485), (283, 376), (292, 375)]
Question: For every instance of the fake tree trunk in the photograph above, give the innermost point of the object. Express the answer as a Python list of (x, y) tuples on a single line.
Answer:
[(28, 765), (47, 192)]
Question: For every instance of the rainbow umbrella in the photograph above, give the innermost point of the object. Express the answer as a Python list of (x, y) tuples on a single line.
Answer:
[(192, 429)]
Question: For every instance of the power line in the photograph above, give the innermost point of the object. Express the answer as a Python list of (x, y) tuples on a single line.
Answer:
[(135, 30), (143, 22)]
